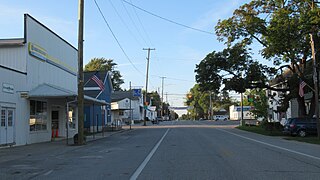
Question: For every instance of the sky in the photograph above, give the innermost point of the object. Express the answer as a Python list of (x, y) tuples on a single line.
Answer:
[(177, 49)]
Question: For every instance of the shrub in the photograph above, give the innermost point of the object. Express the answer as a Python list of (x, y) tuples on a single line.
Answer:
[(271, 126)]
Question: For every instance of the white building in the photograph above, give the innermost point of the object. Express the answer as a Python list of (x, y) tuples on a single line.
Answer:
[(152, 113), (120, 106), (38, 86), (120, 110), (235, 112), (274, 115)]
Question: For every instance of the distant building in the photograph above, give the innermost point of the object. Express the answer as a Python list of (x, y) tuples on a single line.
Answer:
[(97, 117), (235, 112), (120, 106), (152, 112)]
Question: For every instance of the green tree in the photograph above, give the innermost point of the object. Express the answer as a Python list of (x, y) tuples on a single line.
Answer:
[(200, 101), (103, 64), (259, 102), (154, 95), (283, 29), (184, 117), (192, 99)]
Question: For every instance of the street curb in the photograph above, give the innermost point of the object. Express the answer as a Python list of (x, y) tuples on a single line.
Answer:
[(114, 133)]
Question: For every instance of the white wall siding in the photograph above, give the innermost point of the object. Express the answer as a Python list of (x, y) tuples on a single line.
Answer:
[(43, 72), (13, 100), (14, 58)]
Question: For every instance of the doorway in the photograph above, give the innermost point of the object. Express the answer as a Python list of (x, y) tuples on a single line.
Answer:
[(55, 123), (7, 125)]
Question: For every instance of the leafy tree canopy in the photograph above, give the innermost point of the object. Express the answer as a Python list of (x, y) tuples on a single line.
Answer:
[(200, 101), (103, 64), (282, 28)]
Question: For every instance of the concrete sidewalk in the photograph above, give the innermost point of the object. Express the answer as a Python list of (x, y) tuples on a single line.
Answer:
[(58, 146)]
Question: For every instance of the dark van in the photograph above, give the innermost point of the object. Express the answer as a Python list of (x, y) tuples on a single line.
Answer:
[(300, 126)]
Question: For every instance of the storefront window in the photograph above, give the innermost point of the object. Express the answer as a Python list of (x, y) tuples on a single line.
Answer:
[(3, 118), (72, 118), (38, 116)]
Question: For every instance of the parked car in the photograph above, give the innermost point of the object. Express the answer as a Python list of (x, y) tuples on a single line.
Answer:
[(221, 117), (301, 126)]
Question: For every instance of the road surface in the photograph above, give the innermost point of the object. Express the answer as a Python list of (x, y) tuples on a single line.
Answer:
[(170, 150)]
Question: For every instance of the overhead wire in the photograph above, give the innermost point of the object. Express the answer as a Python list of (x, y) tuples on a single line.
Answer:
[(168, 20), (129, 28), (118, 42), (110, 1), (147, 35), (116, 39), (133, 22), (142, 26)]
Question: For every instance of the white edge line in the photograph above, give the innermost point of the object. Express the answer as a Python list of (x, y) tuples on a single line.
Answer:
[(278, 147), (47, 173), (147, 159)]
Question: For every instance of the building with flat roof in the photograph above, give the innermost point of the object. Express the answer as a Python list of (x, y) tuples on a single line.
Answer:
[(38, 86)]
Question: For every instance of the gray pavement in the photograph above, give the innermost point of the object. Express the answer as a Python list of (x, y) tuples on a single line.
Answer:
[(58, 145), (169, 150)]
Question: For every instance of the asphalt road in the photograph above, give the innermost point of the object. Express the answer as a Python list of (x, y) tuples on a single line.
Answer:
[(170, 150)]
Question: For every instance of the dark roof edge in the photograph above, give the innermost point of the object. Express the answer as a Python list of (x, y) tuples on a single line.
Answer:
[(25, 30), (12, 42)]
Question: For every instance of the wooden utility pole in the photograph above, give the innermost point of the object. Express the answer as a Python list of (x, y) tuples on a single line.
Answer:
[(210, 106), (145, 94), (80, 75), (314, 40), (131, 95), (242, 122), (162, 96)]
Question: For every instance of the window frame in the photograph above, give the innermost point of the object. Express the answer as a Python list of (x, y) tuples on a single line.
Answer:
[(39, 120)]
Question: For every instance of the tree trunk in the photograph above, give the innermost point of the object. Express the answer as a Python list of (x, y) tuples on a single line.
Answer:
[(312, 107), (302, 106), (317, 59)]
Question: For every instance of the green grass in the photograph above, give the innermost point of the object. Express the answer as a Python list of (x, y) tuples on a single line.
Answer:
[(275, 132), (308, 139), (261, 130)]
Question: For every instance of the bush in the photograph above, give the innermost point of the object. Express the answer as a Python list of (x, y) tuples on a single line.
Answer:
[(271, 126)]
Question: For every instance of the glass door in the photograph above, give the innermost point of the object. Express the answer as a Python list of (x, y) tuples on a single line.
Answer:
[(7, 126)]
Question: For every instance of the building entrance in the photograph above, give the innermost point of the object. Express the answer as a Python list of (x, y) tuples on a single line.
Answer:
[(55, 123), (7, 125)]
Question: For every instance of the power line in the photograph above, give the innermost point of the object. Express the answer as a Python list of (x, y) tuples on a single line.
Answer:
[(142, 27), (185, 94), (134, 24), (110, 1), (180, 79), (114, 36), (174, 78), (163, 18), (145, 32)]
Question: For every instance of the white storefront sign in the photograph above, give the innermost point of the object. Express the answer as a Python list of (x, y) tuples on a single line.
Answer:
[(8, 88)]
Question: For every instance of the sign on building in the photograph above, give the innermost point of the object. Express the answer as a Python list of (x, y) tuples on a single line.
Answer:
[(136, 92), (8, 88)]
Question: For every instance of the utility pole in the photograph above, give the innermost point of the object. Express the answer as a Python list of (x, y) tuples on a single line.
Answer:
[(242, 122), (145, 95), (210, 106), (162, 96), (314, 40), (80, 75), (130, 106), (167, 112)]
